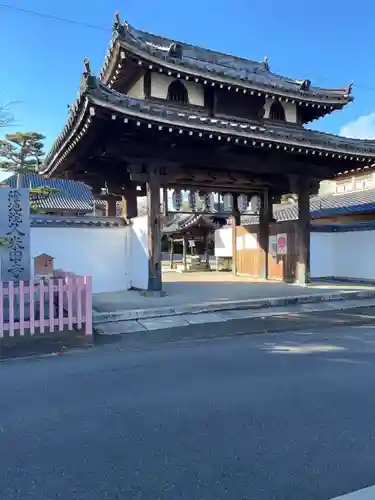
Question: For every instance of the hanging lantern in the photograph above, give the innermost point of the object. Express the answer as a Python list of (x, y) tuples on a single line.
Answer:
[(255, 204), (227, 202), (177, 199), (242, 203), (193, 198), (208, 202)]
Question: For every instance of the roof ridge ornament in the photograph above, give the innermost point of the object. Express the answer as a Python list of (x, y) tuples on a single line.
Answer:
[(88, 80), (175, 50), (305, 84), (266, 64), (120, 28)]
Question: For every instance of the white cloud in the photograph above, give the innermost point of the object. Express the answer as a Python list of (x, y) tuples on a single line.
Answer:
[(362, 128)]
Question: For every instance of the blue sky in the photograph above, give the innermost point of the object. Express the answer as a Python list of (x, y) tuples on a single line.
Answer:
[(329, 42)]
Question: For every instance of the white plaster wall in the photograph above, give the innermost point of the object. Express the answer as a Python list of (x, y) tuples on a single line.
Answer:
[(354, 254), (223, 242), (137, 90), (99, 252), (322, 256), (160, 84), (138, 253), (290, 109), (343, 255)]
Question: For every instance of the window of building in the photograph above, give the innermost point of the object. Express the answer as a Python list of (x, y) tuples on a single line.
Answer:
[(277, 111), (177, 92)]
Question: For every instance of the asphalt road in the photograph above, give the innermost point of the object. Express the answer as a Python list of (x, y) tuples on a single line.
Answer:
[(287, 416)]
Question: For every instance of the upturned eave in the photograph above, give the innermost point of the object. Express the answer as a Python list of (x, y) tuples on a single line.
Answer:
[(95, 98)]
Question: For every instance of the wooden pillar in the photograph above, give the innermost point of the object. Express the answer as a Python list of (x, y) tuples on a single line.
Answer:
[(265, 217), (184, 252), (154, 230), (111, 206), (171, 253), (129, 202), (303, 231), (236, 221)]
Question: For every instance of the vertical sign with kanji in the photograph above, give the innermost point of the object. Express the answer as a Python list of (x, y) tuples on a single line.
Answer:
[(15, 230)]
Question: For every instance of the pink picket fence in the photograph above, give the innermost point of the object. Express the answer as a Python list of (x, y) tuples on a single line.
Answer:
[(46, 305)]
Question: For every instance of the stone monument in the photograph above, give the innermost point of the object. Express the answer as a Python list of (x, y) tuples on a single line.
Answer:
[(15, 234)]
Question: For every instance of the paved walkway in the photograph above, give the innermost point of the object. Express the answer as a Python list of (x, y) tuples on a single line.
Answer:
[(207, 288), (265, 320)]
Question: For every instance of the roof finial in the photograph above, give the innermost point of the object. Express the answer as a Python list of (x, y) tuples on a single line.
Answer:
[(349, 88), (266, 63), (305, 85), (119, 28), (86, 63)]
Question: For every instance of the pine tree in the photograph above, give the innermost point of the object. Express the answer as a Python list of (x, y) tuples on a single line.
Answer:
[(20, 153)]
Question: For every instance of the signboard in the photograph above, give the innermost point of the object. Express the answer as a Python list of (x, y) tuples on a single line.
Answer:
[(15, 228), (272, 245), (282, 244)]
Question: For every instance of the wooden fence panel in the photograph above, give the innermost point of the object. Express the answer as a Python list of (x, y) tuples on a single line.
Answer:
[(46, 304)]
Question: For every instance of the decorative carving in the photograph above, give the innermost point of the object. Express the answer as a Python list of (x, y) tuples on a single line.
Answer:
[(266, 63)]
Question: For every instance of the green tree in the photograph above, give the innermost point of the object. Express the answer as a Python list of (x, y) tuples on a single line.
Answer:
[(21, 152)]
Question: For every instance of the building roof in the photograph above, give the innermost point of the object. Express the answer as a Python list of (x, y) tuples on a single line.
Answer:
[(292, 138), (177, 223), (70, 195), (323, 206), (198, 63)]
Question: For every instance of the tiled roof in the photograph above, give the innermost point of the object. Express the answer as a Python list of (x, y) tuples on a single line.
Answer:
[(291, 138), (178, 222), (324, 206), (217, 66), (70, 195), (83, 221)]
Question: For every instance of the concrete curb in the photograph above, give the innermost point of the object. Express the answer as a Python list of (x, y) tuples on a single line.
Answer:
[(159, 312)]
